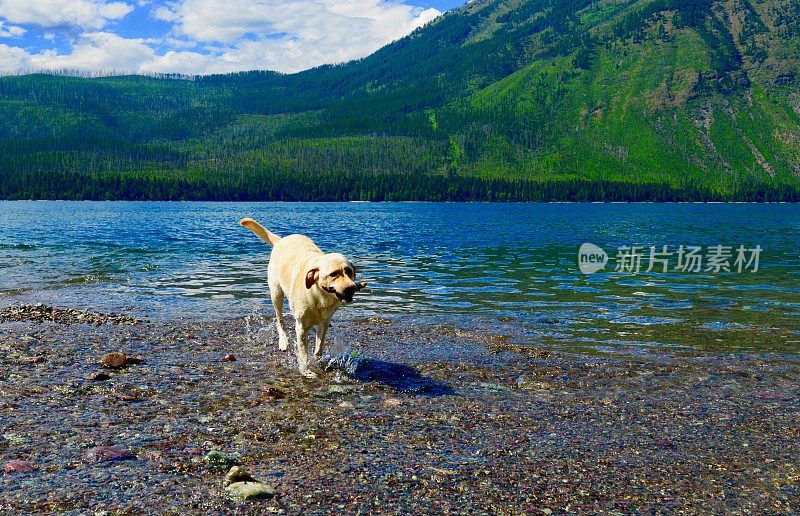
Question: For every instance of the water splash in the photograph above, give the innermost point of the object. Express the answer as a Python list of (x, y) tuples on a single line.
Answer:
[(258, 328), (398, 377), (346, 362)]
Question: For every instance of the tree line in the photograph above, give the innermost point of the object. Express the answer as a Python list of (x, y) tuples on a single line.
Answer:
[(367, 187)]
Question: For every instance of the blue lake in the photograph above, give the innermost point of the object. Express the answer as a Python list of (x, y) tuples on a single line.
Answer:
[(503, 268)]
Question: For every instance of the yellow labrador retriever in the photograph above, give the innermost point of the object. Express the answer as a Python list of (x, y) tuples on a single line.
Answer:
[(315, 283)]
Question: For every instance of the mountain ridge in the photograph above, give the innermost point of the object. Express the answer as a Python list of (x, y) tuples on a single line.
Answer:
[(497, 100)]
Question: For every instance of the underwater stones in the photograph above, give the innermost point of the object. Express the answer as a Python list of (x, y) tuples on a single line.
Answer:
[(40, 313), (273, 393), (242, 491), (114, 360), (237, 474), (240, 486), (229, 358), (98, 376), (109, 454), (340, 389), (18, 466), (118, 360), (218, 458), (192, 452)]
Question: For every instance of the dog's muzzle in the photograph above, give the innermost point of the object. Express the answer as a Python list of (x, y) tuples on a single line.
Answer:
[(345, 297), (349, 292)]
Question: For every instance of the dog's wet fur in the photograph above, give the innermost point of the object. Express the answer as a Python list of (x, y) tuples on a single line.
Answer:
[(315, 283)]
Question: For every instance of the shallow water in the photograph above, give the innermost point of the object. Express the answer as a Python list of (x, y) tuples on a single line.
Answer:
[(505, 268)]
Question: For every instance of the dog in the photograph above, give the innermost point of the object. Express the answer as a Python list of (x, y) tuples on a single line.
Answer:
[(316, 284)]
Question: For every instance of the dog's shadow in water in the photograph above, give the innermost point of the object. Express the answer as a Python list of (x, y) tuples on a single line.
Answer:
[(400, 377)]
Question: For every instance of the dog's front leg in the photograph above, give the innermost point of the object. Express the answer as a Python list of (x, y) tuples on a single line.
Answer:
[(277, 301), (302, 354), (322, 330)]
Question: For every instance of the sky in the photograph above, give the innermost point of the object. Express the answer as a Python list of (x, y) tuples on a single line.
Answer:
[(201, 36)]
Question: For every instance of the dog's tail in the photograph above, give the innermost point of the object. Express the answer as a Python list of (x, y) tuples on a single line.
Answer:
[(261, 231)]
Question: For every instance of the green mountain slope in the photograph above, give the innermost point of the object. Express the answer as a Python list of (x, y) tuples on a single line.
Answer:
[(540, 99)]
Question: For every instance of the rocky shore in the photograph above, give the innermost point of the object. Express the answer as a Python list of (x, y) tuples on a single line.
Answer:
[(41, 313), (108, 413)]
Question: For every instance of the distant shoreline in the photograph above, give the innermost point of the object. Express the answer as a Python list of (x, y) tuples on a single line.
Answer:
[(400, 202), (380, 187)]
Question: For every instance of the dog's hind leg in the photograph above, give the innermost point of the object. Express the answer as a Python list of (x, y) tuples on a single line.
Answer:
[(277, 295), (322, 330), (302, 352)]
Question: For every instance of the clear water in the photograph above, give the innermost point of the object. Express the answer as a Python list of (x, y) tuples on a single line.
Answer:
[(506, 268)]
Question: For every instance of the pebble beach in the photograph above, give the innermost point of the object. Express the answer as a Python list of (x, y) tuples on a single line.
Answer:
[(115, 415)]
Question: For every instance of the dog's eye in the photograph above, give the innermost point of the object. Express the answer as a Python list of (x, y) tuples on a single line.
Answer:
[(334, 274), (349, 272)]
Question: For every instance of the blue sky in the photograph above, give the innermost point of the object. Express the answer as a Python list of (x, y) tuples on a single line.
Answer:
[(201, 36)]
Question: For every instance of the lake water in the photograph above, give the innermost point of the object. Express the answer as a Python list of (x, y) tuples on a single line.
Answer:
[(505, 268)]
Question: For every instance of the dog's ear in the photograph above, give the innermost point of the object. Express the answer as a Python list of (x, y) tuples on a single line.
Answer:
[(360, 285), (311, 277)]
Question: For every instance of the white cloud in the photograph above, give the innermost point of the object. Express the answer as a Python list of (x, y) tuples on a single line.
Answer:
[(164, 14), (85, 14), (92, 52), (99, 51), (228, 20), (292, 35), (103, 52), (220, 36), (10, 31), (12, 59), (176, 43), (178, 62)]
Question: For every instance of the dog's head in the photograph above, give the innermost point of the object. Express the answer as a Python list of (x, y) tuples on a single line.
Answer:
[(336, 275)]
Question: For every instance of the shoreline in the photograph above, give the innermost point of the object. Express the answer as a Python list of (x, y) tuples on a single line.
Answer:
[(432, 418), (391, 202)]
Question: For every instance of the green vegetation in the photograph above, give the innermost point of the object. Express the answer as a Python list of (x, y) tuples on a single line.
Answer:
[(499, 100)]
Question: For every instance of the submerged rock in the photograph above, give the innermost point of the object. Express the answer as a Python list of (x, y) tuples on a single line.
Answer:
[(240, 486), (98, 376), (242, 491), (218, 458), (237, 474), (340, 389), (109, 453), (118, 360), (114, 360), (18, 466), (40, 313), (392, 402), (273, 393)]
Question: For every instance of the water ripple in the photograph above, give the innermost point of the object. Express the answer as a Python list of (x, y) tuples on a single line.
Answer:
[(462, 263)]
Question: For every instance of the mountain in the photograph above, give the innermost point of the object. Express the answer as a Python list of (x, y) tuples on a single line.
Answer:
[(498, 100)]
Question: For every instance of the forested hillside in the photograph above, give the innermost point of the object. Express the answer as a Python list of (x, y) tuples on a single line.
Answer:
[(498, 100)]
